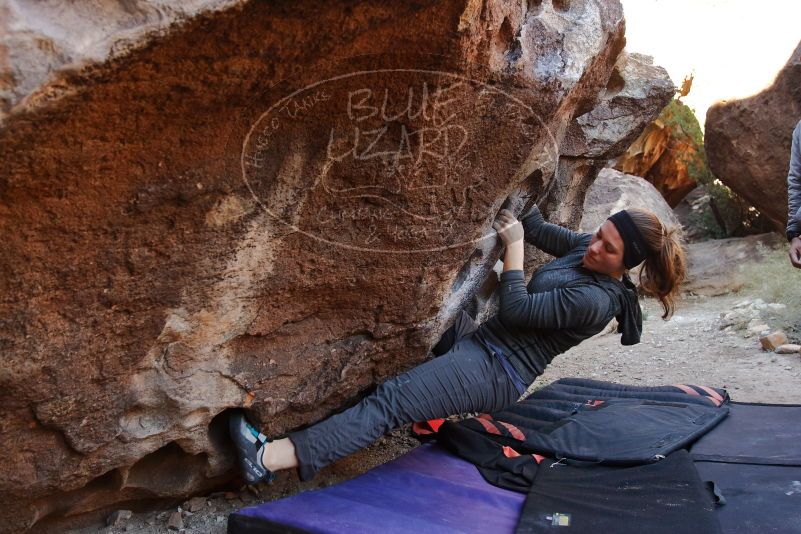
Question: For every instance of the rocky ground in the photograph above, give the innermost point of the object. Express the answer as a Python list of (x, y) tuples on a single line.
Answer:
[(710, 340)]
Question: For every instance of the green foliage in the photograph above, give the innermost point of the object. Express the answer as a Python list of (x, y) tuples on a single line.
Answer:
[(682, 122)]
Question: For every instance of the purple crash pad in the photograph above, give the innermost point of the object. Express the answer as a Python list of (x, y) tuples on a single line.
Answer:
[(426, 490)]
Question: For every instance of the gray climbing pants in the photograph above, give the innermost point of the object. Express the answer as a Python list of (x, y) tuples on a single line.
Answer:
[(466, 378)]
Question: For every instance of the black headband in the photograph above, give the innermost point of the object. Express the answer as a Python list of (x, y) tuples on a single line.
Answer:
[(635, 248)]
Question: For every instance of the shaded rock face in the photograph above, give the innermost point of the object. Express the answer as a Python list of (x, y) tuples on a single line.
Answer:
[(688, 211), (613, 191), (748, 141), (228, 216)]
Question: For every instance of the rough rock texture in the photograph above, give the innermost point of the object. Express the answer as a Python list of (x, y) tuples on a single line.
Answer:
[(636, 89), (661, 155), (232, 215), (41, 42), (748, 141), (613, 191)]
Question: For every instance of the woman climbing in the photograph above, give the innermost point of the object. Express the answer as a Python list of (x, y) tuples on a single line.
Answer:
[(484, 368)]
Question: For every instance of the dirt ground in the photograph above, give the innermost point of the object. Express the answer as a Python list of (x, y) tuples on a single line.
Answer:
[(689, 348)]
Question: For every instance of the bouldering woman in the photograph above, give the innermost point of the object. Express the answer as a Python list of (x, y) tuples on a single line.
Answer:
[(486, 367)]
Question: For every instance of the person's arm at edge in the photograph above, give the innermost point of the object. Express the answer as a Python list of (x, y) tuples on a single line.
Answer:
[(794, 198)]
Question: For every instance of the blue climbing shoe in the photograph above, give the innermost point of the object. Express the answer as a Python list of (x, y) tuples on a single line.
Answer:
[(249, 446)]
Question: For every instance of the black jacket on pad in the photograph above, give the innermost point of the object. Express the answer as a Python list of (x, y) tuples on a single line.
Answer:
[(582, 421)]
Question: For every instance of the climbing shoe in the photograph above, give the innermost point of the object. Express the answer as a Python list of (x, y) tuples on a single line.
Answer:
[(250, 448)]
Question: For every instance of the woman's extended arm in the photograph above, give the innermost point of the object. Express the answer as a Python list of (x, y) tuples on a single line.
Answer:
[(551, 238), (564, 307)]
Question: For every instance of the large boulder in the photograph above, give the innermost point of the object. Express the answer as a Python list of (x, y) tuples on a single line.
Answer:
[(748, 141), (267, 206), (613, 191)]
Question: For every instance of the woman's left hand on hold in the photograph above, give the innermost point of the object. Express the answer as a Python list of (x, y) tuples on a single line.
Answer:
[(508, 227)]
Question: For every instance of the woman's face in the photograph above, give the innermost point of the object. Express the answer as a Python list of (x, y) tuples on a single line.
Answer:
[(605, 253)]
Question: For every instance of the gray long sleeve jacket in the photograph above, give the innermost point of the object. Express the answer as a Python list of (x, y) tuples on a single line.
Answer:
[(794, 186), (562, 305)]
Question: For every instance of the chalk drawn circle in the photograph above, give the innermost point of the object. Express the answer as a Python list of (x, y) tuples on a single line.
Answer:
[(291, 120)]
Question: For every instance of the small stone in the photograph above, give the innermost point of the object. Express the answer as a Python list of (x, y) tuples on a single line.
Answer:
[(773, 340), (231, 495), (788, 349), (758, 328), (118, 518), (175, 522), (195, 504)]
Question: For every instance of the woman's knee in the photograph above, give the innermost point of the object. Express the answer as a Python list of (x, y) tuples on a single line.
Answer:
[(414, 395)]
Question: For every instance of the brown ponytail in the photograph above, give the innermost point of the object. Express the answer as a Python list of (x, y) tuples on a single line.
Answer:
[(663, 272)]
